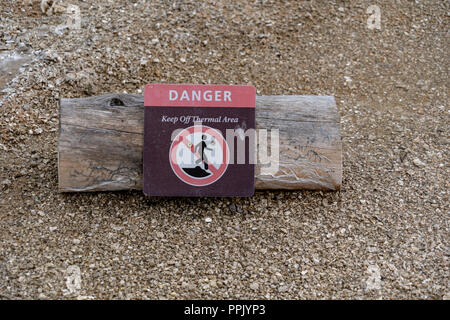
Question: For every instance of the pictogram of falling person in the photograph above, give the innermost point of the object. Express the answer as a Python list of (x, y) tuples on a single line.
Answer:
[(200, 148)]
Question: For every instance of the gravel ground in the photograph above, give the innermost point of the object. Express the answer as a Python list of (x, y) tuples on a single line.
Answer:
[(384, 235)]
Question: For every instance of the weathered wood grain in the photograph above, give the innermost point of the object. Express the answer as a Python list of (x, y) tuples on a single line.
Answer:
[(101, 139)]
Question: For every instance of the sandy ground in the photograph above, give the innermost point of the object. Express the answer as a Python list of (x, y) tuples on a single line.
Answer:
[(385, 235)]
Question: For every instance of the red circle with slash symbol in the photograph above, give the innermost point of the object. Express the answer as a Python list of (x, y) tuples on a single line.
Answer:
[(199, 155)]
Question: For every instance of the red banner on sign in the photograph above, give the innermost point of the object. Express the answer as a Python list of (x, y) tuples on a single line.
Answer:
[(195, 95)]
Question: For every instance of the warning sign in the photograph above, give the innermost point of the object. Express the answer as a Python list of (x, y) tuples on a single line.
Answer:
[(186, 147), (199, 155)]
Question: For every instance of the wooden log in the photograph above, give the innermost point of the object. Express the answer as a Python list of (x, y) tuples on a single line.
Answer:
[(101, 139)]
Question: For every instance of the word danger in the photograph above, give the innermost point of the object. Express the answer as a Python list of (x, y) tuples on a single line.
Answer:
[(199, 95)]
